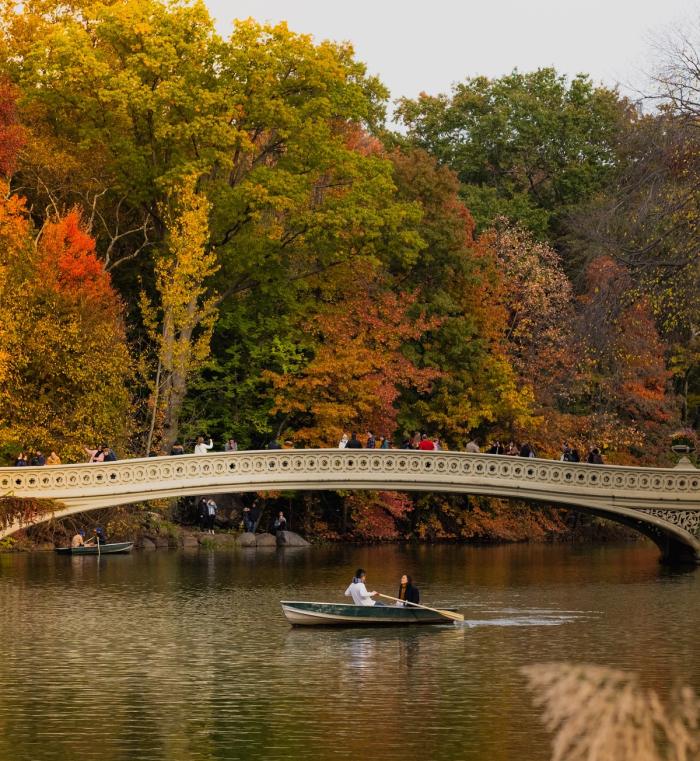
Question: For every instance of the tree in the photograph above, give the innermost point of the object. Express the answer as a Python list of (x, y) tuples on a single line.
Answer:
[(648, 222), (626, 376), (537, 297), (356, 367), (12, 134), (182, 323), (457, 283), (144, 93), (527, 146), (67, 365)]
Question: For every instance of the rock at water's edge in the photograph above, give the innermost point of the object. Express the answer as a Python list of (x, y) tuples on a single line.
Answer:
[(265, 540), (290, 539), (147, 544), (246, 540)]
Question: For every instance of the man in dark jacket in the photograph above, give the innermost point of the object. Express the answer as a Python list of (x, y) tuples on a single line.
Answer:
[(353, 443)]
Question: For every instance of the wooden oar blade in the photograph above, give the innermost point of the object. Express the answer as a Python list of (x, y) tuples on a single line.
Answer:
[(451, 614)]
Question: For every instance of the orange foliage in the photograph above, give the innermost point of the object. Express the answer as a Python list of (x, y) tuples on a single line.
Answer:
[(69, 262), (357, 369)]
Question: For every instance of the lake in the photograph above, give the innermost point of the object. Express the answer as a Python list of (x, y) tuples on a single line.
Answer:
[(186, 656)]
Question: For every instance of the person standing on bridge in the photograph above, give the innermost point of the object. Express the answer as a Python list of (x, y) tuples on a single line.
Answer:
[(473, 447), (426, 445), (200, 447), (53, 459), (96, 455), (354, 442)]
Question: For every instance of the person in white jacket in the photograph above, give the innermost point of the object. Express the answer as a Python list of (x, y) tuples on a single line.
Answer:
[(200, 447), (344, 440), (358, 591)]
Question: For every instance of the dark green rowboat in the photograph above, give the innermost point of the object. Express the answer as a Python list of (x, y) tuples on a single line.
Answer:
[(91, 549), (339, 614)]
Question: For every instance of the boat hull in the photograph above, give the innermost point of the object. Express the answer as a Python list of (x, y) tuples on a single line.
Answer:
[(338, 614), (115, 548)]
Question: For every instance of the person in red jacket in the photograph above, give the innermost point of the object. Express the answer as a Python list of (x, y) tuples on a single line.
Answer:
[(426, 444)]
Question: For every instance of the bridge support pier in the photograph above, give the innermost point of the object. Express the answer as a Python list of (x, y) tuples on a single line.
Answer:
[(675, 553)]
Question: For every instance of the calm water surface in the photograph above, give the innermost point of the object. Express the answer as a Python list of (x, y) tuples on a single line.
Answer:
[(183, 657)]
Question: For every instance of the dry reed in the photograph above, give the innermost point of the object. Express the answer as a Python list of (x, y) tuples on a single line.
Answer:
[(602, 714)]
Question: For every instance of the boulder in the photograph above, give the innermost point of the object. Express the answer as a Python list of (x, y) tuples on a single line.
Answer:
[(265, 540), (223, 540), (162, 542), (189, 541), (246, 540), (147, 544), (290, 539)]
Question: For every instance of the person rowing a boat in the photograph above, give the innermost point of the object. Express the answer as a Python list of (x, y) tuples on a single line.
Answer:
[(358, 591), (98, 537), (407, 592)]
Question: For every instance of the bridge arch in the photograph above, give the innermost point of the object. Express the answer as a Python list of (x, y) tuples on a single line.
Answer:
[(662, 503)]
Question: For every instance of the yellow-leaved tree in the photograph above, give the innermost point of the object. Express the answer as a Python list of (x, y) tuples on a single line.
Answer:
[(181, 322)]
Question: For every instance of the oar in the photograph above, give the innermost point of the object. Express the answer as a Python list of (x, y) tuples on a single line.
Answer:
[(447, 613)]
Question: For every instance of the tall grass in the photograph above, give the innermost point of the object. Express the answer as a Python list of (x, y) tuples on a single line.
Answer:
[(602, 714)]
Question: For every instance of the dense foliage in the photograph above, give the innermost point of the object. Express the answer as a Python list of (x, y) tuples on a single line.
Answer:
[(217, 236)]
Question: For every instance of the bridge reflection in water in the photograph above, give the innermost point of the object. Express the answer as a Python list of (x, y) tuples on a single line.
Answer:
[(662, 503)]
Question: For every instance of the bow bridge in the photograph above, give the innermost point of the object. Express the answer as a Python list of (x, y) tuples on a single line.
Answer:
[(662, 503)]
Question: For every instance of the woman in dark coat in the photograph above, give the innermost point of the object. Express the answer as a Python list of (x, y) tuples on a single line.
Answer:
[(407, 592)]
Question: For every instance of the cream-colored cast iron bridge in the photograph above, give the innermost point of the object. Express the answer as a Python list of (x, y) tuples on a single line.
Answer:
[(663, 503)]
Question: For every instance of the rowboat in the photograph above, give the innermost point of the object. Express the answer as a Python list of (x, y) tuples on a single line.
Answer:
[(91, 549), (341, 614)]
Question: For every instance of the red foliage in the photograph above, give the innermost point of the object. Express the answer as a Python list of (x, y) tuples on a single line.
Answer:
[(375, 515)]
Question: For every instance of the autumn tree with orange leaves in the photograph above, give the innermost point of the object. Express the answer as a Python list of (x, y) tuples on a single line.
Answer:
[(67, 364), (356, 367)]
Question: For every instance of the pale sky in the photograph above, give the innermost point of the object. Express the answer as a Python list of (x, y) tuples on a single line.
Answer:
[(426, 46)]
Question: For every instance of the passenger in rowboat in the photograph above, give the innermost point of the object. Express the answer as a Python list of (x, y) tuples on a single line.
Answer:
[(358, 591), (407, 592), (78, 539)]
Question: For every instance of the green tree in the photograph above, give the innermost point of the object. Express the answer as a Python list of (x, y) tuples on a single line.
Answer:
[(527, 146)]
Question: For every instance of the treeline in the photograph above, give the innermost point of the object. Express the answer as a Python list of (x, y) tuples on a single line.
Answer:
[(223, 236)]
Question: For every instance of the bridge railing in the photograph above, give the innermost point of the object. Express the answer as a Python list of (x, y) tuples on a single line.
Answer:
[(280, 468)]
